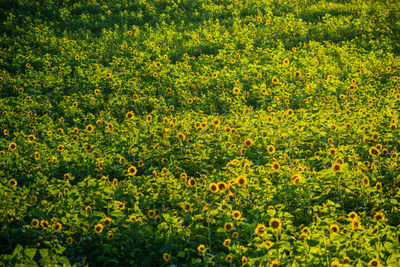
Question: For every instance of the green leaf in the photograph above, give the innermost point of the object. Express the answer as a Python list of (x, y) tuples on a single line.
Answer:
[(17, 249), (44, 252), (30, 252), (312, 242), (181, 254)]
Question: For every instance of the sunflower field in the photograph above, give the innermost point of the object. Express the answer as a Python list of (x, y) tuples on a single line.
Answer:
[(199, 133)]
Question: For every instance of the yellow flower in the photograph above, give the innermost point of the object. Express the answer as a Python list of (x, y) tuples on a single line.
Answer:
[(373, 151), (275, 224), (275, 80), (129, 115), (379, 216), (353, 215), (12, 146), (70, 240), (374, 262), (213, 187), (365, 181), (227, 242), (241, 180), (236, 215), (89, 128), (336, 167), (13, 182), (57, 227), (98, 228), (201, 248), (110, 235), (181, 136), (107, 221), (248, 142), (271, 149), (44, 224), (35, 223), (31, 138), (276, 166), (274, 263), (228, 226), (166, 257), (192, 182), (260, 230), (132, 170), (335, 263), (334, 228)]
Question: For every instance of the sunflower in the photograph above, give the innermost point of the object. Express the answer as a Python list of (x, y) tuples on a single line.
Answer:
[(353, 215), (296, 179), (12, 182), (271, 149), (228, 258), (201, 248), (149, 118), (236, 90), (35, 223), (31, 138), (70, 240), (379, 216), (275, 80), (98, 228), (260, 230), (107, 221), (275, 224), (89, 128), (129, 115), (374, 151), (192, 182), (151, 213), (44, 224), (166, 257), (108, 75), (236, 215), (393, 126), (339, 161), (248, 142), (374, 262), (365, 181), (37, 155), (57, 227), (241, 180), (181, 136), (110, 235), (335, 263), (227, 242), (286, 62), (244, 260), (228, 226), (186, 207), (222, 187), (132, 170), (12, 146), (375, 136), (337, 167), (378, 186), (334, 228), (183, 176), (274, 263), (213, 187), (276, 166)]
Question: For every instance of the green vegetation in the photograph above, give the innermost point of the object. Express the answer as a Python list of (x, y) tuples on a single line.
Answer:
[(200, 133)]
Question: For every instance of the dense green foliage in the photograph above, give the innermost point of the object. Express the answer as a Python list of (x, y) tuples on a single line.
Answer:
[(198, 132)]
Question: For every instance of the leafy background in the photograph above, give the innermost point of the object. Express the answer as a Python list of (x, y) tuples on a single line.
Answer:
[(212, 85)]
